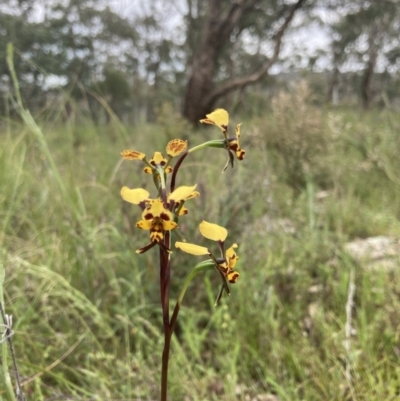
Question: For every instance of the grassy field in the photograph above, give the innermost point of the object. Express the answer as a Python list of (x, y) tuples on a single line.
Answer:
[(85, 307)]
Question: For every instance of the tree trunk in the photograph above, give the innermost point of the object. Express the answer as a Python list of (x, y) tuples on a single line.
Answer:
[(201, 91), (216, 32), (333, 89), (366, 84)]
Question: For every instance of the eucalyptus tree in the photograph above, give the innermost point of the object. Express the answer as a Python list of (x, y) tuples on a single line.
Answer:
[(68, 41), (365, 36), (227, 45)]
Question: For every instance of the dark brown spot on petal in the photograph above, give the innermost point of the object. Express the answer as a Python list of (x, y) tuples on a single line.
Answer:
[(240, 154), (165, 216), (233, 276)]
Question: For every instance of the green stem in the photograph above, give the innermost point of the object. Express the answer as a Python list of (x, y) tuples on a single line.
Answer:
[(169, 330), (206, 265), (161, 172), (216, 143)]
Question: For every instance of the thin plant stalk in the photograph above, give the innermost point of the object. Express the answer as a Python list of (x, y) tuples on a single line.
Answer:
[(8, 334), (4, 344), (169, 329), (35, 129), (160, 216), (165, 267)]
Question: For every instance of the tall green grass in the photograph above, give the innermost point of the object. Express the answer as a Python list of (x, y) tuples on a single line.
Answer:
[(85, 306)]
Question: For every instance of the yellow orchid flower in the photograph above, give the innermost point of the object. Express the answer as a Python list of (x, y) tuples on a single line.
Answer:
[(157, 219), (220, 118), (225, 264), (158, 159), (158, 216)]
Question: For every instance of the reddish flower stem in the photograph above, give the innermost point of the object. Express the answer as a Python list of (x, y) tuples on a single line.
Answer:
[(175, 171), (165, 275)]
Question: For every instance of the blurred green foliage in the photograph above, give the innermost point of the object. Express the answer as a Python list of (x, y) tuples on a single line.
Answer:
[(86, 308)]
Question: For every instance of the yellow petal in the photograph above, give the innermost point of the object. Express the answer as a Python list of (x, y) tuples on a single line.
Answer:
[(192, 248), (233, 276), (132, 155), (183, 210), (219, 117), (238, 130), (148, 170), (135, 196), (183, 193), (231, 256), (157, 209), (156, 236), (235, 145), (145, 224), (213, 231), (240, 154), (194, 194), (158, 159), (176, 147), (223, 268), (169, 225)]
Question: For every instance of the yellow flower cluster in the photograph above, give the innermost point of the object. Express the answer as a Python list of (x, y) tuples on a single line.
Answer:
[(160, 215)]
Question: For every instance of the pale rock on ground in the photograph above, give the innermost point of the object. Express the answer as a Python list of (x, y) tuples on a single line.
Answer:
[(376, 253)]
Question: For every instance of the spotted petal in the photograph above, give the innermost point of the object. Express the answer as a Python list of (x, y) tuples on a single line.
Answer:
[(231, 256), (157, 209), (158, 159), (234, 144), (176, 147), (133, 155), (233, 276)]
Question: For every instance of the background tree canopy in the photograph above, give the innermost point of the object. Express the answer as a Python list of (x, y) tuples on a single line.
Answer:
[(314, 206), (195, 52)]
